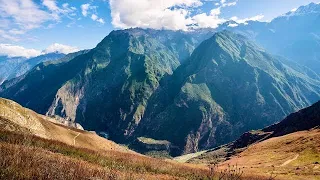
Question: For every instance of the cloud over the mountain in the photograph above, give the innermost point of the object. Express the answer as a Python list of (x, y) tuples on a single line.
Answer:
[(245, 20), (61, 48), (17, 51), (152, 13), (173, 14)]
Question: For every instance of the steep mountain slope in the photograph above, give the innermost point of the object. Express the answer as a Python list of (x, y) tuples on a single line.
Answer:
[(298, 123), (290, 149), (37, 88), (14, 67), (295, 35), (107, 88), (14, 117), (228, 86)]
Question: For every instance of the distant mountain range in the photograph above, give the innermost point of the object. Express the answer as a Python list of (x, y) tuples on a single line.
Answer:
[(294, 35), (195, 90), (14, 67)]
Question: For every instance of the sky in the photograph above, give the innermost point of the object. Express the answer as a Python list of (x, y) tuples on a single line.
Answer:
[(32, 27)]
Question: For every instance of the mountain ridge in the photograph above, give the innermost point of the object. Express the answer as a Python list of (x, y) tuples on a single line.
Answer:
[(153, 92), (197, 85), (17, 66)]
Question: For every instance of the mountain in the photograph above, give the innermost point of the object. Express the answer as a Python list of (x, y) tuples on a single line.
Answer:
[(14, 67), (303, 120), (292, 144), (228, 86), (108, 86), (294, 35), (7, 66), (37, 88), (147, 85)]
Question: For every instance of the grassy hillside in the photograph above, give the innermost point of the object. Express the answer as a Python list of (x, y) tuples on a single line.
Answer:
[(34, 146), (294, 156), (289, 149), (16, 118), (28, 157)]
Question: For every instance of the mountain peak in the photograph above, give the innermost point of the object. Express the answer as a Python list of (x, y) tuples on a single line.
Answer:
[(307, 9)]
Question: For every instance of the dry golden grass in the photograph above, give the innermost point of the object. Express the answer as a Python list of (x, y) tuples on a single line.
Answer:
[(14, 117), (294, 156), (31, 157), (34, 148)]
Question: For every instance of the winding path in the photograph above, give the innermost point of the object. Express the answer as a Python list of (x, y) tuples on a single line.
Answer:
[(74, 139), (290, 160)]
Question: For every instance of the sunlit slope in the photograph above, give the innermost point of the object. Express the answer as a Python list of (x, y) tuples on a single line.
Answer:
[(14, 117)]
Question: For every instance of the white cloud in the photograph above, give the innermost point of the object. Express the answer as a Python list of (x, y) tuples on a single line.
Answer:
[(232, 25), (51, 5), (245, 20), (17, 17), (94, 17), (100, 20), (17, 51), (65, 49), (294, 10), (206, 21), (16, 31), (169, 14), (6, 36), (152, 13), (84, 9), (229, 4), (23, 13), (57, 12), (87, 9), (224, 3)]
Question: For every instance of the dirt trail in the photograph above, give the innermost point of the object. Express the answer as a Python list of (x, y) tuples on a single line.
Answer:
[(74, 139), (290, 160)]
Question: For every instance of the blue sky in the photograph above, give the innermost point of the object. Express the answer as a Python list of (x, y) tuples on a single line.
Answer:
[(32, 26)]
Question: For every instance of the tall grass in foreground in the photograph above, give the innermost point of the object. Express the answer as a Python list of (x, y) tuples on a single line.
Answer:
[(30, 157)]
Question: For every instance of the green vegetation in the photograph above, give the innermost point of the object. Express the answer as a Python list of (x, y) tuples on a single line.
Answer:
[(152, 141), (147, 83), (227, 87)]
